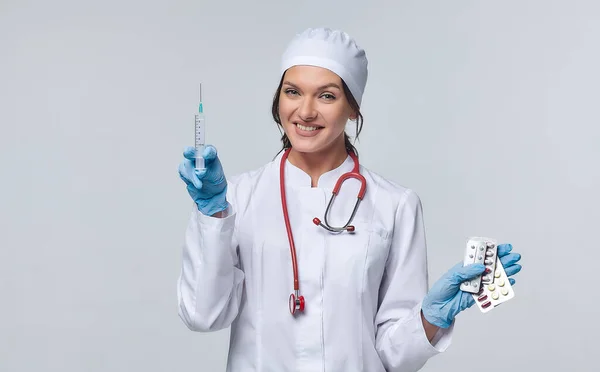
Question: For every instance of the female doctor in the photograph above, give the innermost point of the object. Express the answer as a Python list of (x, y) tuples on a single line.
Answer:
[(302, 288)]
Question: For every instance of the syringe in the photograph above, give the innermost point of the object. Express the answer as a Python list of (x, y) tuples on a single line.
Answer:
[(200, 125)]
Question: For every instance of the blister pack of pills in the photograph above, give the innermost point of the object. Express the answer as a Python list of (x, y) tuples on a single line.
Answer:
[(484, 251), (493, 294), (492, 288)]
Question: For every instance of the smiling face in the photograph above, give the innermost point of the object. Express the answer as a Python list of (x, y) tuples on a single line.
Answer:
[(314, 109)]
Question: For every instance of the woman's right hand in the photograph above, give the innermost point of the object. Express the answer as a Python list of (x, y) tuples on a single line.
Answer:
[(207, 187)]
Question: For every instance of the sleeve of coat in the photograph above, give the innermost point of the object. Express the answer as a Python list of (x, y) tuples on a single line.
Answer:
[(209, 288), (401, 340)]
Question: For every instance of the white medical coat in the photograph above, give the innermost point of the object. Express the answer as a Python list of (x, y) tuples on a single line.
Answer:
[(363, 290)]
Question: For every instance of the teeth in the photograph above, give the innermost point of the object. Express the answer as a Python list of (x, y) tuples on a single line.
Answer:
[(306, 128)]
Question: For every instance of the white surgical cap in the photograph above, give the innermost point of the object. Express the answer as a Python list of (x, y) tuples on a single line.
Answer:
[(331, 49)]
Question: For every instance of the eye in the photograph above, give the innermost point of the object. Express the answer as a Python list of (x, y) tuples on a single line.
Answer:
[(290, 91), (328, 96)]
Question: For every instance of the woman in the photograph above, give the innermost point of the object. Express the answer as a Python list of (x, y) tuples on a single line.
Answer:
[(361, 301)]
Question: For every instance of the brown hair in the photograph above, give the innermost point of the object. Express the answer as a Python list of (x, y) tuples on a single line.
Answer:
[(351, 100)]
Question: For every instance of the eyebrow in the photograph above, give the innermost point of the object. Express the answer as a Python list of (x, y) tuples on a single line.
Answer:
[(330, 85)]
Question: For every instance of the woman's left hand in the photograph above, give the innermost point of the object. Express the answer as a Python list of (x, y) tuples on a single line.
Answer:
[(446, 300)]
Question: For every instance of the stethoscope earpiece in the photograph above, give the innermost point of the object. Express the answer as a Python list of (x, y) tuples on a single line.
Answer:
[(349, 228)]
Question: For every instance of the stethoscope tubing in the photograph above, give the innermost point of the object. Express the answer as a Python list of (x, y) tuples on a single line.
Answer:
[(296, 301)]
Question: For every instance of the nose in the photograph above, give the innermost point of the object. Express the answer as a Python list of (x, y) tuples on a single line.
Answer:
[(307, 111)]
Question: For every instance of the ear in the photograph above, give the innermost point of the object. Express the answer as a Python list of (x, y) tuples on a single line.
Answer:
[(353, 116)]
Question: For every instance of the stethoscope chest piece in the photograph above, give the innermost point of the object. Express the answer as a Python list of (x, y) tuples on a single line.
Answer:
[(296, 303)]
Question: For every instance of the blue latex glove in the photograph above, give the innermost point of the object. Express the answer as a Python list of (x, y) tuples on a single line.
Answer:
[(207, 187), (445, 300)]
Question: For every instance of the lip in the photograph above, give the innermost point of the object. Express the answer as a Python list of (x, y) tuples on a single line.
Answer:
[(304, 133)]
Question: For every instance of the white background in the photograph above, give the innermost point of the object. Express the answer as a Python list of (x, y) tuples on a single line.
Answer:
[(488, 109)]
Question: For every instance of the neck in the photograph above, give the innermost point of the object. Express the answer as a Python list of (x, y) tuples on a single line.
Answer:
[(316, 164)]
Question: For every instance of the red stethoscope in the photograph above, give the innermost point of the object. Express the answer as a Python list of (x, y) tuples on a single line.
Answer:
[(296, 302)]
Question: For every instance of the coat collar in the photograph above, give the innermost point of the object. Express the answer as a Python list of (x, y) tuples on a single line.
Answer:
[(296, 177)]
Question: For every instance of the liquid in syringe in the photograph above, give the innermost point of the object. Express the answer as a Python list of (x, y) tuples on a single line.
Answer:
[(200, 126)]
